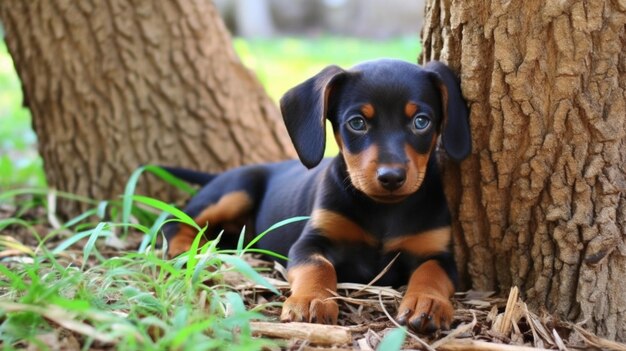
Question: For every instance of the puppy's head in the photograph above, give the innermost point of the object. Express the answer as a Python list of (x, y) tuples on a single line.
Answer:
[(386, 116)]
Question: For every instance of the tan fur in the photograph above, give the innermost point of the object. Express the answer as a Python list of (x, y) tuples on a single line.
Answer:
[(410, 109), (422, 244), (428, 294), (368, 111), (312, 283), (363, 168), (229, 208), (339, 228)]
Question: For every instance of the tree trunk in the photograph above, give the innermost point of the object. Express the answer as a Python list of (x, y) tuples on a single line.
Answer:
[(542, 200), (119, 83)]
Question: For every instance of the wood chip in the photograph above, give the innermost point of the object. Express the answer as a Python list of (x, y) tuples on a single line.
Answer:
[(503, 325), (559, 341)]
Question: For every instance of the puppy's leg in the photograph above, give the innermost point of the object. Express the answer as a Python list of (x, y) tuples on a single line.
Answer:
[(313, 282), (230, 207), (230, 198), (426, 305)]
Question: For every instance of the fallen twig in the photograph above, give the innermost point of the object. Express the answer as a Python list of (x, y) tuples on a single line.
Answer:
[(314, 333)]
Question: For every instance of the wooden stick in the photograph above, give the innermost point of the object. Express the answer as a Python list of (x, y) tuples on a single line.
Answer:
[(461, 329), (482, 346), (314, 333), (505, 324), (597, 341)]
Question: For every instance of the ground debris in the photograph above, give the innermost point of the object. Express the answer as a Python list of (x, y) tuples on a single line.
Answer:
[(482, 320)]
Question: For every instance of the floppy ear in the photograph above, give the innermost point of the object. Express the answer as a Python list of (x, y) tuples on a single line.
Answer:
[(456, 136), (304, 112)]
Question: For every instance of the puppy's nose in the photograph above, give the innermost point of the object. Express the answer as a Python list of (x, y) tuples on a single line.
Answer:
[(391, 178)]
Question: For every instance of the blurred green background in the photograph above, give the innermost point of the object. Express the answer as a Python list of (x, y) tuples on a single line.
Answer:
[(280, 63)]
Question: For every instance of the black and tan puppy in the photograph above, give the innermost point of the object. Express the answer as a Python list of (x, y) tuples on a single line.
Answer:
[(381, 195)]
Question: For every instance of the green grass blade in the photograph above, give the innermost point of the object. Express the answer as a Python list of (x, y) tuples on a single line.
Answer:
[(192, 258), (170, 178), (15, 280), (274, 226), (242, 237), (73, 240), (203, 262), (79, 218), (102, 208), (393, 340), (127, 198), (150, 237), (180, 215), (256, 250), (91, 243), (16, 221), (244, 268), (183, 334)]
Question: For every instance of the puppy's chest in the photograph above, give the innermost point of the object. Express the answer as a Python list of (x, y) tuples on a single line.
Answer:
[(383, 226), (360, 263)]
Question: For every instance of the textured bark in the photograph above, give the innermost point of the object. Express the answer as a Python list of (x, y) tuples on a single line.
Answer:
[(113, 84), (542, 199)]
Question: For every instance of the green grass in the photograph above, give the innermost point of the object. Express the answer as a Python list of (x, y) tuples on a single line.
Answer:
[(132, 300)]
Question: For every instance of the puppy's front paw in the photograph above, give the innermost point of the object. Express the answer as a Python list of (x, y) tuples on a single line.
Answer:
[(310, 308), (425, 312)]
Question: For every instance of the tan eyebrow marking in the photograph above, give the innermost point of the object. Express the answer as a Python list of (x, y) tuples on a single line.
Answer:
[(368, 111), (410, 109)]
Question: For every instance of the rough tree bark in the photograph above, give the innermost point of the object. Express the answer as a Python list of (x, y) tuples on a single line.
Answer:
[(542, 200), (113, 84)]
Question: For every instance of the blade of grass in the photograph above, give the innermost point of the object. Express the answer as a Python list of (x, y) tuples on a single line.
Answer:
[(192, 258), (242, 237), (15, 280), (127, 197), (244, 268), (79, 218), (16, 221), (73, 240), (183, 334), (274, 226), (393, 340), (150, 237), (256, 250), (170, 178), (92, 242), (180, 215), (101, 210)]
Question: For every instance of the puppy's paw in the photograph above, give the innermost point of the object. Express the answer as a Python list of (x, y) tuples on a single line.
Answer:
[(310, 308), (425, 312)]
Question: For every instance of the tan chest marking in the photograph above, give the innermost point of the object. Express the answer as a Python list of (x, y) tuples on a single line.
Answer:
[(422, 244), (340, 228)]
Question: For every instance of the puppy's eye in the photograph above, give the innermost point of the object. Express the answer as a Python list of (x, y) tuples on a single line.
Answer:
[(357, 123), (421, 121)]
